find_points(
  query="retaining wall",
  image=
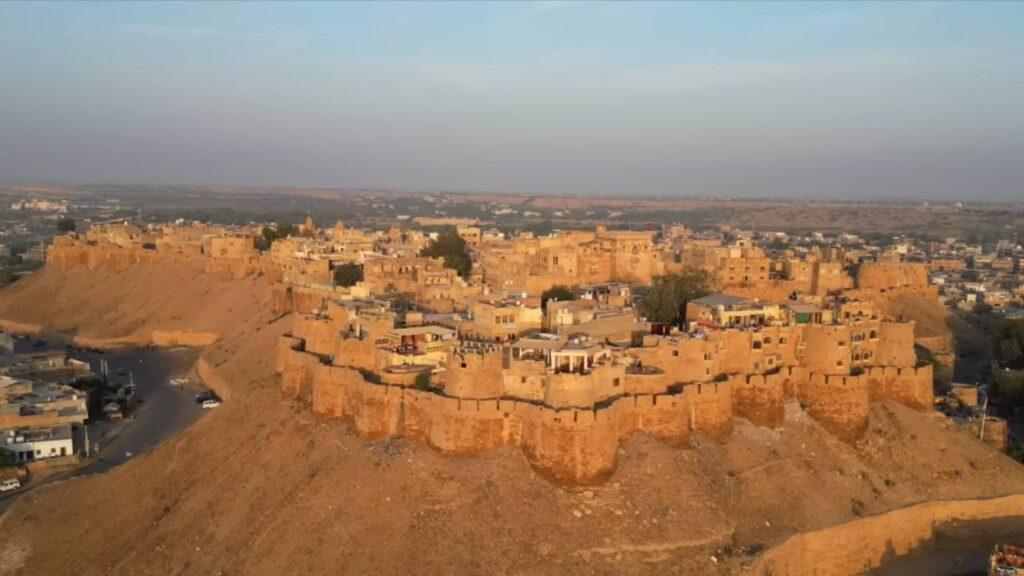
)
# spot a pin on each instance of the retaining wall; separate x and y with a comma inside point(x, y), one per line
point(861, 545)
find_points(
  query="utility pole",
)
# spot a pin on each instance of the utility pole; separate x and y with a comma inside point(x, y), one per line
point(984, 415)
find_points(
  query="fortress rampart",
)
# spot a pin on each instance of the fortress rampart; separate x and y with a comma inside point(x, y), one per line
point(572, 445)
point(66, 254)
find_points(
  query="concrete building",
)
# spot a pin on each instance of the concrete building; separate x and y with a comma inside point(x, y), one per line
point(38, 443)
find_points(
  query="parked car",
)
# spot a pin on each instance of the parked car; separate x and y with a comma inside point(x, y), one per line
point(205, 395)
point(211, 403)
point(10, 484)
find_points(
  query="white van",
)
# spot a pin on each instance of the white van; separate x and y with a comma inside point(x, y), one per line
point(11, 484)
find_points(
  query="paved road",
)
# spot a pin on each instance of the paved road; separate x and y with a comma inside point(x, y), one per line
point(165, 410)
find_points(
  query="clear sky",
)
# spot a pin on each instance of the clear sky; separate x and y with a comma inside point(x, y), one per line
point(858, 100)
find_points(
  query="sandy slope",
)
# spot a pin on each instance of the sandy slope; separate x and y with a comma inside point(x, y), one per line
point(261, 486)
point(101, 304)
point(937, 327)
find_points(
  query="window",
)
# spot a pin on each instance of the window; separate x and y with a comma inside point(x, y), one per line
point(462, 364)
point(756, 345)
point(675, 352)
point(615, 382)
point(767, 340)
point(522, 379)
point(782, 339)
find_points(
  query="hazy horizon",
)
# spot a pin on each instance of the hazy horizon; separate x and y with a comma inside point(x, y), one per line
point(789, 100)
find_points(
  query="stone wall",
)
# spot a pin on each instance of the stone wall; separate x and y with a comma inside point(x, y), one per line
point(862, 545)
point(65, 253)
point(839, 403)
point(572, 444)
point(759, 398)
point(887, 276)
point(909, 386)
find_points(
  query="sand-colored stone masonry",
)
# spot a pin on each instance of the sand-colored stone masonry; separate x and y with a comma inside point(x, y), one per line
point(861, 545)
point(572, 432)
point(570, 258)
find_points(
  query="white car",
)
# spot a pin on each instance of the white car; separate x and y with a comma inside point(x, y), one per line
point(11, 484)
point(211, 403)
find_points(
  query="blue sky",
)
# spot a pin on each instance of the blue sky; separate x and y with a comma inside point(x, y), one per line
point(848, 100)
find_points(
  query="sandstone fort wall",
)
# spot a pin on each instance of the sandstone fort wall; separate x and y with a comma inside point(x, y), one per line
point(576, 445)
point(862, 545)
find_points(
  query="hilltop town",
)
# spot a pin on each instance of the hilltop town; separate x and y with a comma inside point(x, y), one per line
point(544, 342)
point(720, 387)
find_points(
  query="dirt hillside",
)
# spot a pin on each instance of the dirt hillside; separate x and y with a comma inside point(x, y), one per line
point(103, 304)
point(262, 486)
point(937, 328)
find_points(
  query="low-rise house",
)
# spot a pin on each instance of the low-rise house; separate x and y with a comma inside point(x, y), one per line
point(38, 443)
point(26, 403)
point(729, 310)
point(503, 319)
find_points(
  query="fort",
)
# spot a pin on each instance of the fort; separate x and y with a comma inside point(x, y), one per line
point(480, 373)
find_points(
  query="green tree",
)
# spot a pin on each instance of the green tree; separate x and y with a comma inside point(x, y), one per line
point(450, 246)
point(666, 299)
point(1008, 343)
point(1008, 387)
point(422, 381)
point(6, 458)
point(65, 225)
point(1009, 353)
point(557, 293)
point(276, 232)
point(348, 274)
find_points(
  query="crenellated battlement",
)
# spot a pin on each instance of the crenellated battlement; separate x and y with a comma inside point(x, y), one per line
point(579, 444)
point(573, 445)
